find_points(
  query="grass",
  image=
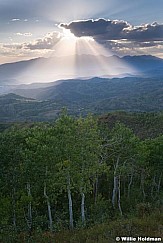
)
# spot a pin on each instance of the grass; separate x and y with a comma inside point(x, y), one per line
point(101, 233)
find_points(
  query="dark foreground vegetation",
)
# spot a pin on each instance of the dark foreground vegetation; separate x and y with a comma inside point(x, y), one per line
point(80, 180)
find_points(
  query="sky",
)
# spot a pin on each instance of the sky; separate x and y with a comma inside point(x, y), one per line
point(31, 29)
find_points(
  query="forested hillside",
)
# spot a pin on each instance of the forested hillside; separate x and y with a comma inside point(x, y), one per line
point(15, 108)
point(98, 179)
point(101, 95)
point(81, 97)
point(144, 125)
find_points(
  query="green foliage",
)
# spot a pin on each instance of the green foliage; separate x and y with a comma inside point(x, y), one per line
point(100, 233)
point(144, 125)
point(42, 163)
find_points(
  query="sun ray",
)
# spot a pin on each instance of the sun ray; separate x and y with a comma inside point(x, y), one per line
point(76, 57)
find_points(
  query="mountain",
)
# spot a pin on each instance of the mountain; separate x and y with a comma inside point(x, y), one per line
point(77, 90)
point(82, 66)
point(14, 108)
point(9, 71)
point(41, 101)
point(148, 65)
point(96, 95)
point(13, 97)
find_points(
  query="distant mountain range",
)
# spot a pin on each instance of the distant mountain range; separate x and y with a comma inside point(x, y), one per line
point(80, 67)
point(149, 66)
point(41, 101)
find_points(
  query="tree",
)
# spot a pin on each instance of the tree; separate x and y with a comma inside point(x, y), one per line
point(155, 166)
point(12, 145)
point(88, 149)
point(122, 153)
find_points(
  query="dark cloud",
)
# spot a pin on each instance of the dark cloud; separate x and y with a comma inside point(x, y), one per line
point(132, 44)
point(148, 44)
point(102, 29)
point(147, 32)
point(99, 29)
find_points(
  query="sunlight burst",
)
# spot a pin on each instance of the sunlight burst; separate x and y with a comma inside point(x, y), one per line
point(68, 34)
point(76, 57)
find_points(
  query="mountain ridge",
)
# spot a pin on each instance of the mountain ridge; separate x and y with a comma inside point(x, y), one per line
point(80, 97)
point(14, 73)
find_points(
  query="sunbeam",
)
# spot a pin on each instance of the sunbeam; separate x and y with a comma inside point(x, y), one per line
point(76, 57)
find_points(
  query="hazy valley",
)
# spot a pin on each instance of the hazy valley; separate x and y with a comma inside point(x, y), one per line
point(140, 93)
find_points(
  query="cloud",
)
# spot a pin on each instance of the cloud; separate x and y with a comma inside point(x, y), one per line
point(13, 46)
point(47, 42)
point(13, 20)
point(118, 36)
point(128, 47)
point(147, 32)
point(132, 44)
point(17, 52)
point(16, 20)
point(102, 29)
point(24, 34)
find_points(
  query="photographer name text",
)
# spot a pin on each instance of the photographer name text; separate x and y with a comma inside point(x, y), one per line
point(138, 239)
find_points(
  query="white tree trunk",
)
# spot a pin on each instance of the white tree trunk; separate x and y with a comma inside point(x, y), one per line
point(115, 187)
point(49, 209)
point(159, 183)
point(129, 185)
point(13, 205)
point(96, 189)
point(70, 203)
point(153, 186)
point(48, 204)
point(142, 185)
point(119, 196)
point(13, 198)
point(29, 221)
point(83, 208)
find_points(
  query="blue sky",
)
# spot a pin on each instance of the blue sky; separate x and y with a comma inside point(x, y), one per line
point(27, 26)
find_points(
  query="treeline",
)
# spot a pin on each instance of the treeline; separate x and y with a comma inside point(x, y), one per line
point(75, 173)
point(144, 125)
